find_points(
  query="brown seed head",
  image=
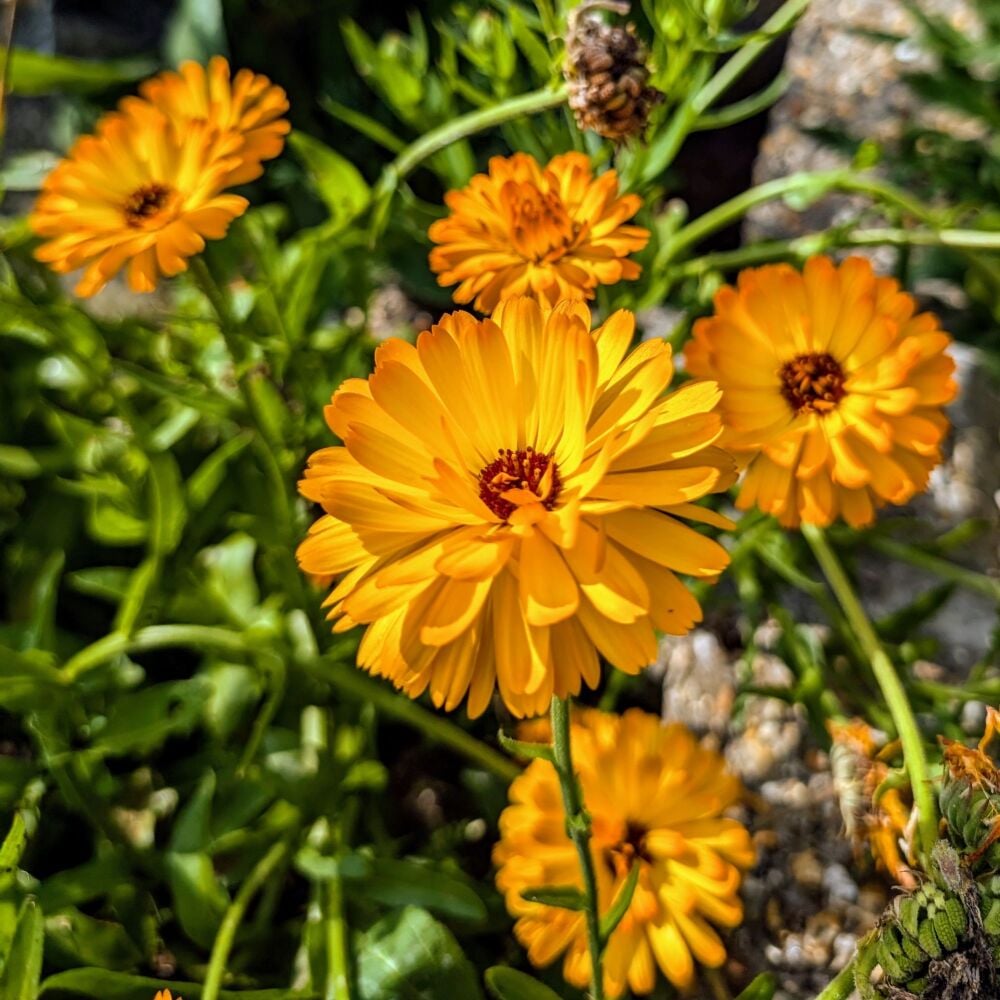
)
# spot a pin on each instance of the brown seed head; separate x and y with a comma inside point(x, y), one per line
point(608, 78)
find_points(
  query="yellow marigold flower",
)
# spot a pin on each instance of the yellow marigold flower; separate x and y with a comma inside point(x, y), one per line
point(249, 105)
point(832, 389)
point(141, 192)
point(655, 798)
point(509, 500)
point(165, 995)
point(554, 233)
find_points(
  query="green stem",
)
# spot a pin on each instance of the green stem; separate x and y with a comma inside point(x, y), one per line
point(578, 830)
point(219, 302)
point(223, 944)
point(356, 684)
point(944, 568)
point(739, 111)
point(814, 243)
point(263, 444)
point(732, 69)
point(841, 986)
point(813, 184)
point(153, 637)
point(337, 984)
point(890, 684)
point(704, 91)
point(468, 124)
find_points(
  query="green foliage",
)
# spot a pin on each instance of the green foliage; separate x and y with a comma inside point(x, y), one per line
point(173, 706)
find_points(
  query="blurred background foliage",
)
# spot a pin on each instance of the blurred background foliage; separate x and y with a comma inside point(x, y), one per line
point(194, 779)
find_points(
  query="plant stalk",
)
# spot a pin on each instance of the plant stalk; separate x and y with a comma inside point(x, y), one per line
point(841, 986)
point(337, 984)
point(354, 683)
point(578, 830)
point(890, 684)
point(223, 944)
point(465, 125)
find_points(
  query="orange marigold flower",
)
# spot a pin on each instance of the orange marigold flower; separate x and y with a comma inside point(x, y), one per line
point(876, 817)
point(832, 389)
point(509, 500)
point(141, 192)
point(165, 995)
point(655, 798)
point(552, 233)
point(248, 104)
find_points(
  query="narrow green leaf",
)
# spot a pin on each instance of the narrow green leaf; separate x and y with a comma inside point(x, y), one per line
point(102, 984)
point(536, 751)
point(564, 896)
point(196, 31)
point(763, 987)
point(335, 179)
point(620, 906)
point(509, 984)
point(23, 968)
point(210, 475)
point(37, 73)
point(410, 883)
point(19, 462)
point(166, 500)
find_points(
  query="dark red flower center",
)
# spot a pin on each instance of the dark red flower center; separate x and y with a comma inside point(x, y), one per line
point(632, 847)
point(517, 478)
point(812, 383)
point(145, 202)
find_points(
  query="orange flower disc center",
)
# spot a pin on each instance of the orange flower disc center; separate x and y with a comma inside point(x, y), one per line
point(517, 478)
point(540, 227)
point(812, 383)
point(146, 203)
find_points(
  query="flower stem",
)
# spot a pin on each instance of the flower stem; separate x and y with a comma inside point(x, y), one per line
point(337, 985)
point(261, 872)
point(354, 683)
point(841, 986)
point(219, 302)
point(465, 125)
point(890, 684)
point(812, 185)
point(578, 830)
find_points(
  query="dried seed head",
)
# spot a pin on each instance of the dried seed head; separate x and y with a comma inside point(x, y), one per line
point(608, 78)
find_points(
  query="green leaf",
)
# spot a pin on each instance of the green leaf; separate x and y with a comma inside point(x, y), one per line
point(320, 867)
point(14, 461)
point(192, 828)
point(37, 73)
point(336, 180)
point(763, 987)
point(230, 581)
point(141, 721)
point(166, 501)
point(410, 883)
point(410, 956)
point(196, 31)
point(73, 938)
point(26, 171)
point(209, 476)
point(200, 901)
point(621, 903)
point(23, 967)
point(82, 884)
point(509, 984)
point(564, 896)
point(101, 984)
point(108, 583)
